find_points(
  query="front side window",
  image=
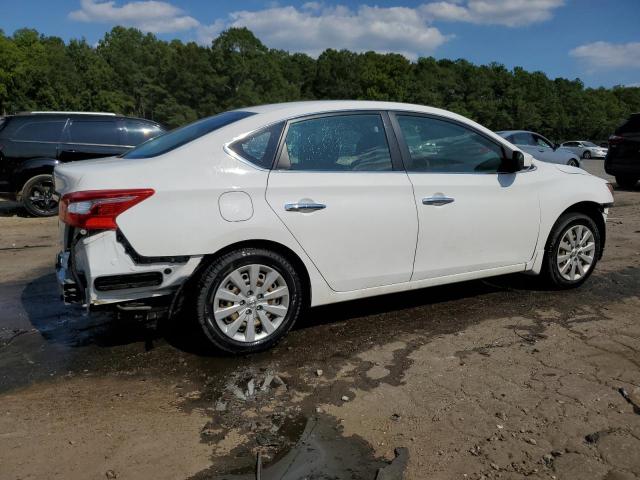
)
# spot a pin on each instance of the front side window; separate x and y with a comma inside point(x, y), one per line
point(183, 135)
point(337, 143)
point(541, 142)
point(136, 132)
point(439, 146)
point(260, 147)
point(99, 132)
point(522, 138)
point(40, 131)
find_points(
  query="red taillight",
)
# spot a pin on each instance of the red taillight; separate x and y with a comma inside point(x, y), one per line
point(615, 139)
point(98, 209)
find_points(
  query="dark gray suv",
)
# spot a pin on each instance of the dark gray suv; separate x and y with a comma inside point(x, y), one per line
point(32, 144)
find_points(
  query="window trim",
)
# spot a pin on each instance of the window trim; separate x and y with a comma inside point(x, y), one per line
point(404, 148)
point(392, 142)
point(229, 151)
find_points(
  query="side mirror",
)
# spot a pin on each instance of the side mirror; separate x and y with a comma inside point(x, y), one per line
point(556, 146)
point(513, 164)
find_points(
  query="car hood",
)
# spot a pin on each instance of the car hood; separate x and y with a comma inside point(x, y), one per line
point(569, 169)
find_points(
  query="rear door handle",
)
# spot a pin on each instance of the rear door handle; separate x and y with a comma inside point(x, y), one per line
point(303, 207)
point(437, 201)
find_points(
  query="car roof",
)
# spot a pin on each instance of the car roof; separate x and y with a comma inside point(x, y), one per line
point(108, 115)
point(291, 109)
point(510, 132)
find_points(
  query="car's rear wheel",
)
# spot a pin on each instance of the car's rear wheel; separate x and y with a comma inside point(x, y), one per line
point(572, 250)
point(626, 181)
point(573, 163)
point(39, 197)
point(586, 155)
point(248, 299)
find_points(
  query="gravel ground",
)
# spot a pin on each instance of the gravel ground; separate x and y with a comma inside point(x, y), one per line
point(488, 379)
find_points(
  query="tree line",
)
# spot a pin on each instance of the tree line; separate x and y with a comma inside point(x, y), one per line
point(133, 73)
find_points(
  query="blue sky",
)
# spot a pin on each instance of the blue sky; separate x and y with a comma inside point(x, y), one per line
point(595, 40)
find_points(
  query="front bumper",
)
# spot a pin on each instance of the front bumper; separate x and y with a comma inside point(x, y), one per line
point(97, 270)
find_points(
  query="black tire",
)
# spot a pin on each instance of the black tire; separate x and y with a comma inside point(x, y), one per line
point(38, 196)
point(626, 181)
point(573, 163)
point(550, 269)
point(586, 155)
point(211, 279)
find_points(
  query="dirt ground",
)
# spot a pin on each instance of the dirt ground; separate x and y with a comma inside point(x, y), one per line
point(488, 379)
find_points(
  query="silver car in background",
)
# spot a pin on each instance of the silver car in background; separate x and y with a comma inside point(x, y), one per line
point(540, 147)
point(585, 149)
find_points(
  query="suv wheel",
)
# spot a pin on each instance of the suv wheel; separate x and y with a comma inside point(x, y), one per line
point(572, 250)
point(248, 299)
point(626, 181)
point(39, 197)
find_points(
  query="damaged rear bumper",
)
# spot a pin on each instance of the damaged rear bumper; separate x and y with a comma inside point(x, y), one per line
point(98, 270)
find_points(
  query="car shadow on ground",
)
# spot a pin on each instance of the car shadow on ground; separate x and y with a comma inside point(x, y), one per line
point(73, 327)
point(12, 209)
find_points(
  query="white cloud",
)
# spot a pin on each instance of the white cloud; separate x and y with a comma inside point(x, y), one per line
point(510, 13)
point(313, 28)
point(147, 15)
point(605, 55)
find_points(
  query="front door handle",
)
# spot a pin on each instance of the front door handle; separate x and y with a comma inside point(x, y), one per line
point(437, 201)
point(303, 207)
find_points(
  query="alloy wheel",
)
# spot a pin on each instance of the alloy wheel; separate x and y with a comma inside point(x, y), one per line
point(576, 252)
point(42, 197)
point(251, 303)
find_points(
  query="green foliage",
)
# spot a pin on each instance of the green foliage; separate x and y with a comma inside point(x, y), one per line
point(133, 73)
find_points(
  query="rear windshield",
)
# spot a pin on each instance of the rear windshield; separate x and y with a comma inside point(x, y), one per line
point(180, 136)
point(630, 126)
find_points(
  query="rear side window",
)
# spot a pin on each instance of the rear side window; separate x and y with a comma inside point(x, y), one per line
point(438, 146)
point(337, 143)
point(260, 147)
point(630, 126)
point(136, 132)
point(40, 131)
point(181, 136)
point(100, 132)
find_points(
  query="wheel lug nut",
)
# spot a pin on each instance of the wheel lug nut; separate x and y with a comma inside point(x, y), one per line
point(241, 302)
point(259, 307)
point(248, 311)
point(249, 292)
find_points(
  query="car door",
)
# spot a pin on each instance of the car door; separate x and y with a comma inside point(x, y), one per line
point(546, 152)
point(340, 189)
point(91, 138)
point(471, 217)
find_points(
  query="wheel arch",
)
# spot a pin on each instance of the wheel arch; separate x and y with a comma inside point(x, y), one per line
point(283, 250)
point(31, 168)
point(594, 211)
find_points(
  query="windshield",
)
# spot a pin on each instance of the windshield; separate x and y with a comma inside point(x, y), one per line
point(589, 144)
point(180, 136)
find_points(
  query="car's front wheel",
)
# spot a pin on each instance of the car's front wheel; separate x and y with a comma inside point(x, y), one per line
point(572, 250)
point(39, 197)
point(248, 299)
point(626, 181)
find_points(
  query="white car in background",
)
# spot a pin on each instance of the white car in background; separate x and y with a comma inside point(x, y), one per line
point(252, 215)
point(585, 149)
point(540, 147)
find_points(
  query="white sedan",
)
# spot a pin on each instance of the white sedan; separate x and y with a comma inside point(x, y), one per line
point(585, 149)
point(250, 216)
